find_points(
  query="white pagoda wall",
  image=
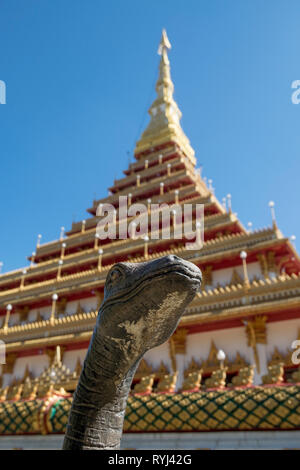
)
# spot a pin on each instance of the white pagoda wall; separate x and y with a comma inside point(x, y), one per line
point(223, 276)
point(231, 340)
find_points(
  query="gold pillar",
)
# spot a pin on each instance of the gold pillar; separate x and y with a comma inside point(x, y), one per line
point(146, 240)
point(256, 332)
point(96, 243)
point(53, 309)
point(60, 263)
point(243, 256)
point(24, 272)
point(63, 249)
point(100, 253)
point(176, 192)
point(9, 308)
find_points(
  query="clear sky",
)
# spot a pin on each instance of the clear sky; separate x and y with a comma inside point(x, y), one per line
point(80, 76)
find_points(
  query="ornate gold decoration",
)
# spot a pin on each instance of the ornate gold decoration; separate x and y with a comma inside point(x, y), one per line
point(275, 374)
point(164, 126)
point(161, 371)
point(167, 383)
point(267, 263)
point(179, 340)
point(259, 326)
point(39, 317)
point(57, 375)
point(14, 392)
point(177, 345)
point(249, 408)
point(30, 389)
point(212, 363)
point(48, 390)
point(217, 379)
point(263, 264)
point(23, 313)
point(143, 370)
point(79, 309)
point(244, 377)
point(53, 353)
point(192, 381)
point(256, 332)
point(295, 378)
point(3, 393)
point(193, 366)
point(145, 385)
point(26, 374)
point(61, 306)
point(172, 354)
point(237, 364)
point(207, 276)
point(272, 262)
point(236, 278)
point(277, 357)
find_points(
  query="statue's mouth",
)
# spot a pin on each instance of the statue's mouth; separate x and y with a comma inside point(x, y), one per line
point(181, 270)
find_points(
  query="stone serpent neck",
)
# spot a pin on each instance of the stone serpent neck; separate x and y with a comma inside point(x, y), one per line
point(99, 403)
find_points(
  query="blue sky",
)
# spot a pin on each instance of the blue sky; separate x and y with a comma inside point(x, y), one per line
point(80, 76)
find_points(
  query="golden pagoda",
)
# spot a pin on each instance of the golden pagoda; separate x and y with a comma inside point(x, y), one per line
point(229, 366)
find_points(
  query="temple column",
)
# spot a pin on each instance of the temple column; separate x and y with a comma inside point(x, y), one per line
point(257, 340)
point(177, 354)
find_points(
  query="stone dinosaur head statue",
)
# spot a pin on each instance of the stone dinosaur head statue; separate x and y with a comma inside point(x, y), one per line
point(143, 302)
point(142, 305)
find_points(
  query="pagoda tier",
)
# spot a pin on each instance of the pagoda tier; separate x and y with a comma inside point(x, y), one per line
point(218, 253)
point(249, 306)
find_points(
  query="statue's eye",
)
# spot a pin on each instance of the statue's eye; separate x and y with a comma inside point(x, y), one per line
point(114, 276)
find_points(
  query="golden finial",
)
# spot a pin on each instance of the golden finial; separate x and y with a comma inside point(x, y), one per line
point(164, 42)
point(164, 126)
point(57, 357)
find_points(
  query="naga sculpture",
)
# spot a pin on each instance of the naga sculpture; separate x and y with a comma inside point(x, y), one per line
point(275, 374)
point(142, 305)
point(217, 379)
point(192, 383)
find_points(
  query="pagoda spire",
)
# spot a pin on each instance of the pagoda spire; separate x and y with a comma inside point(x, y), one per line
point(164, 126)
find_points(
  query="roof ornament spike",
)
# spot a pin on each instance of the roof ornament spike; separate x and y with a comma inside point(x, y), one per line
point(164, 43)
point(164, 127)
